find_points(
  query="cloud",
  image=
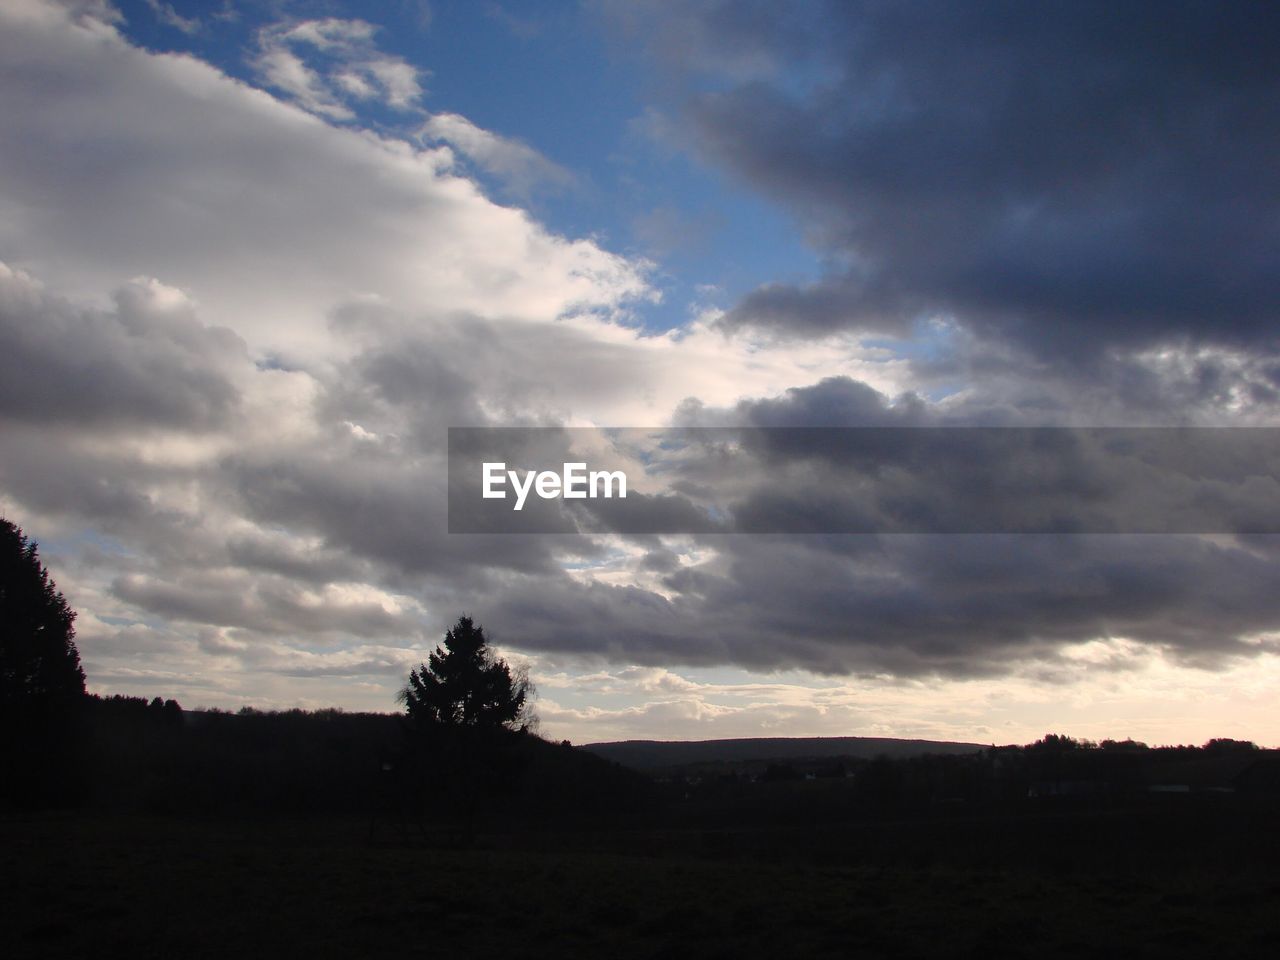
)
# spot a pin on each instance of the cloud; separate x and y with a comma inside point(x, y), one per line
point(349, 66)
point(266, 216)
point(518, 166)
point(1068, 177)
point(166, 14)
point(285, 71)
point(238, 460)
point(911, 606)
point(147, 362)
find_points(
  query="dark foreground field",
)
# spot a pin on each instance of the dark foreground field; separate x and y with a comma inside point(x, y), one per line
point(1051, 883)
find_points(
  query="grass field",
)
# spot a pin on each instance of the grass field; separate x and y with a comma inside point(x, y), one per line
point(82, 886)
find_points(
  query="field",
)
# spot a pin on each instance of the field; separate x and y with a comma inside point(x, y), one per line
point(1172, 880)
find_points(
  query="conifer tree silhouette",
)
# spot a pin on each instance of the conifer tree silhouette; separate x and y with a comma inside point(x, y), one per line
point(39, 662)
point(464, 685)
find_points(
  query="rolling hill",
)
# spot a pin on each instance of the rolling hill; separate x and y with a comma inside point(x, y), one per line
point(651, 755)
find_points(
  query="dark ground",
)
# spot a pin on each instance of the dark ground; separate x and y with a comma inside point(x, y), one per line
point(1182, 877)
point(131, 829)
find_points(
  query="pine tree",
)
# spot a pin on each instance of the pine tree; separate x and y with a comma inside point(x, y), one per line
point(463, 686)
point(39, 662)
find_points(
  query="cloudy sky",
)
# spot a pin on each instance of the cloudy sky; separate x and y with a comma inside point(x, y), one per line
point(256, 258)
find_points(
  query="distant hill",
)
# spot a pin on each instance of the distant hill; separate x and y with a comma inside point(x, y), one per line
point(652, 755)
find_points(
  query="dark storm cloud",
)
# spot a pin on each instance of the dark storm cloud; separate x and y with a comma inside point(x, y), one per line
point(375, 486)
point(911, 606)
point(835, 402)
point(267, 605)
point(47, 474)
point(384, 509)
point(941, 473)
point(146, 363)
point(1067, 175)
point(903, 604)
point(1183, 386)
point(623, 623)
point(283, 555)
point(964, 604)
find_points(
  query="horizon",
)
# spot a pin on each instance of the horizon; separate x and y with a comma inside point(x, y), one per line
point(832, 736)
point(261, 263)
point(1088, 744)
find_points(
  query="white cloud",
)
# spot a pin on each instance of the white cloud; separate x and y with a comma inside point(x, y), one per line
point(328, 34)
point(517, 165)
point(355, 84)
point(166, 14)
point(348, 63)
point(138, 164)
point(398, 80)
point(284, 70)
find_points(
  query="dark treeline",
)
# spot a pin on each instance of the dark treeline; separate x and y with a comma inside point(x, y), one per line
point(1053, 778)
point(129, 754)
point(1055, 767)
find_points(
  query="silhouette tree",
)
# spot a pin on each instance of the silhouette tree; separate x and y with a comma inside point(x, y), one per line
point(464, 706)
point(39, 662)
point(41, 684)
point(464, 686)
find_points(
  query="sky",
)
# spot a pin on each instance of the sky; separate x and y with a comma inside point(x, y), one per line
point(256, 258)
